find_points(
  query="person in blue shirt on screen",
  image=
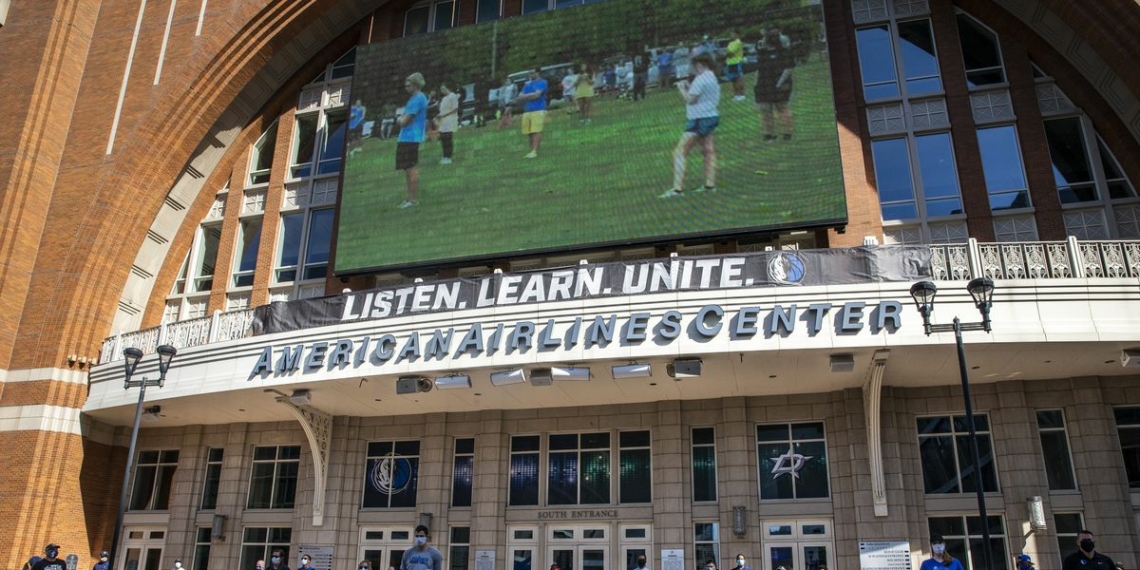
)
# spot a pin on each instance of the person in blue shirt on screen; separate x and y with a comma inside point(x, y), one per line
point(412, 122)
point(534, 97)
point(939, 558)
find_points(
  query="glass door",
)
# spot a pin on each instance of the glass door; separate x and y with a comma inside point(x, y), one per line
point(142, 549)
point(383, 548)
point(797, 544)
point(579, 557)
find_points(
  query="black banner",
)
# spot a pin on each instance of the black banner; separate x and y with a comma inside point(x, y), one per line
point(765, 269)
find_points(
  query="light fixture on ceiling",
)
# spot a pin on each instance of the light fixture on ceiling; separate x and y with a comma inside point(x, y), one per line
point(632, 370)
point(301, 398)
point(508, 377)
point(842, 363)
point(453, 382)
point(577, 373)
point(684, 368)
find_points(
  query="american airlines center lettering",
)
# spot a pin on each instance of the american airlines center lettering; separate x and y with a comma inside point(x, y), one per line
point(479, 340)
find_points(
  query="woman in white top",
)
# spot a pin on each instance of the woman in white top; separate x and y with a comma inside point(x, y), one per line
point(701, 97)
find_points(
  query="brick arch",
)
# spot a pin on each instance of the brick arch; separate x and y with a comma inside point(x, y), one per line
point(94, 230)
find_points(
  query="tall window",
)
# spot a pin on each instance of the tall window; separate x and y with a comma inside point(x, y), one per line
point(202, 541)
point(206, 256)
point(704, 464)
point(257, 543)
point(635, 467)
point(706, 543)
point(920, 62)
point(304, 137)
point(463, 472)
point(917, 62)
point(318, 243)
point(459, 549)
point(1055, 450)
point(273, 481)
point(1128, 430)
point(331, 150)
point(1067, 526)
point(960, 531)
point(579, 469)
point(1090, 183)
point(1002, 167)
point(792, 461)
point(947, 463)
point(213, 479)
point(980, 52)
point(249, 239)
point(154, 478)
point(488, 10)
point(430, 17)
point(261, 156)
point(524, 470)
point(391, 474)
point(937, 176)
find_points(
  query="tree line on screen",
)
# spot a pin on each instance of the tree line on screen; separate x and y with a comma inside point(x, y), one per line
point(484, 55)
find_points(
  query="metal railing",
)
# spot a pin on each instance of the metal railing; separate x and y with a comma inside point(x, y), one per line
point(949, 262)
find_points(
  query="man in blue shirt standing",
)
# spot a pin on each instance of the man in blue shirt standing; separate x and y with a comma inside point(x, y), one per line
point(939, 558)
point(412, 123)
point(103, 563)
point(534, 96)
point(421, 556)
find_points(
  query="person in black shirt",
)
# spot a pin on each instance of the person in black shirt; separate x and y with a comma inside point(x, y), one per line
point(51, 560)
point(1087, 558)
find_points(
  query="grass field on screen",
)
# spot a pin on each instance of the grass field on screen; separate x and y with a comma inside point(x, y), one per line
point(593, 183)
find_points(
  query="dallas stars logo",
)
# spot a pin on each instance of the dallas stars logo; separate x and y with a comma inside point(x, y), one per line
point(789, 463)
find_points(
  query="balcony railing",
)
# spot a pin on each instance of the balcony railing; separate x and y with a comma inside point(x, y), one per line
point(949, 262)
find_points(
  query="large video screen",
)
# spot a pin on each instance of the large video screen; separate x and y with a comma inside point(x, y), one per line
point(616, 122)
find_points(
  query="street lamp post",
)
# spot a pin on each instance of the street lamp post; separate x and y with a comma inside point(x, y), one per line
point(982, 290)
point(132, 356)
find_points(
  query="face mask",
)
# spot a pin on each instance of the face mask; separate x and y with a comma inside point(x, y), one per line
point(1088, 544)
point(275, 560)
point(304, 562)
point(421, 540)
point(641, 564)
point(938, 549)
point(177, 564)
point(52, 553)
point(740, 562)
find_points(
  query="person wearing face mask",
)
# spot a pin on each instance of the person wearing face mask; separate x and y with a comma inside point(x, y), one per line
point(364, 565)
point(277, 561)
point(51, 559)
point(1086, 557)
point(259, 565)
point(177, 565)
point(104, 563)
point(421, 556)
point(741, 562)
point(639, 564)
point(306, 563)
point(939, 558)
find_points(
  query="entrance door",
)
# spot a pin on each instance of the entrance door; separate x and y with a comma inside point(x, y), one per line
point(797, 544)
point(580, 556)
point(797, 556)
point(384, 548)
point(142, 549)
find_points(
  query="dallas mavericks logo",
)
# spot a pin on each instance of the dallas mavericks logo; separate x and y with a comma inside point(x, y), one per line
point(391, 475)
point(786, 268)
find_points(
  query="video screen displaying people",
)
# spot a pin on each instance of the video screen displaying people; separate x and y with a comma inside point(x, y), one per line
point(617, 122)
